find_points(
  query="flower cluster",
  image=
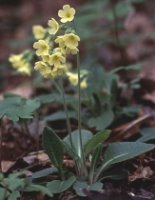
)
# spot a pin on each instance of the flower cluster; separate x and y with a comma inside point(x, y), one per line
point(55, 43)
point(21, 63)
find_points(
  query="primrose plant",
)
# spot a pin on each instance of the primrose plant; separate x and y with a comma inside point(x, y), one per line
point(54, 46)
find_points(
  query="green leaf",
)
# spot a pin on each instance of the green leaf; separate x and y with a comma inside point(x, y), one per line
point(100, 137)
point(14, 195)
point(147, 134)
point(121, 151)
point(58, 186)
point(16, 107)
point(60, 115)
point(97, 73)
point(3, 193)
point(103, 121)
point(14, 182)
point(1, 176)
point(55, 97)
point(95, 158)
point(79, 186)
point(38, 188)
point(115, 174)
point(49, 98)
point(130, 110)
point(44, 172)
point(29, 107)
point(135, 67)
point(53, 147)
point(86, 136)
point(72, 153)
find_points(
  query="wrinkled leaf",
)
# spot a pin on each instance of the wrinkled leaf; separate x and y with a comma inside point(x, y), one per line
point(81, 186)
point(86, 136)
point(43, 172)
point(53, 147)
point(95, 158)
point(121, 151)
point(103, 121)
point(99, 137)
point(60, 115)
point(58, 186)
point(55, 97)
point(38, 188)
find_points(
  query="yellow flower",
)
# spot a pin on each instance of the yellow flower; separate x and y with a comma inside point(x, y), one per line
point(72, 51)
point(59, 40)
point(67, 14)
point(58, 49)
point(68, 43)
point(54, 26)
point(38, 31)
point(58, 71)
point(15, 58)
point(71, 40)
point(73, 78)
point(57, 59)
point(83, 84)
point(47, 73)
point(20, 64)
point(25, 68)
point(42, 47)
point(45, 58)
point(43, 69)
point(40, 66)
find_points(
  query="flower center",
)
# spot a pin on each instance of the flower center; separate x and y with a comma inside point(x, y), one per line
point(44, 47)
point(56, 58)
point(68, 15)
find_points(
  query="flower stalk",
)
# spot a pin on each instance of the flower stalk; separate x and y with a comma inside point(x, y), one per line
point(66, 111)
point(84, 169)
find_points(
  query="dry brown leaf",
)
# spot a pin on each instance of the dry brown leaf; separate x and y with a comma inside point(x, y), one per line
point(39, 156)
point(141, 173)
point(150, 97)
point(6, 165)
point(128, 130)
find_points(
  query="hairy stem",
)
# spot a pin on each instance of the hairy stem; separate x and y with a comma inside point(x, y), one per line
point(66, 111)
point(60, 89)
point(84, 171)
